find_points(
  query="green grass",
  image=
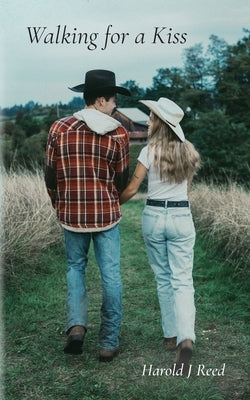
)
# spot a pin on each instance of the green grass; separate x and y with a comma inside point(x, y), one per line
point(37, 368)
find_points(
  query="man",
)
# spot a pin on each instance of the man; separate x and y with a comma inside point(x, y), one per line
point(87, 161)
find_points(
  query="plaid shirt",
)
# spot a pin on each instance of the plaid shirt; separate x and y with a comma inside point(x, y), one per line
point(84, 174)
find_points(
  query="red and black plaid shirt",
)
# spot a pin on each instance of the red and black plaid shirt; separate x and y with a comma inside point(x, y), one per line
point(85, 172)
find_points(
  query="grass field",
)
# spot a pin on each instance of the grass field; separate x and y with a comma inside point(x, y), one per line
point(36, 367)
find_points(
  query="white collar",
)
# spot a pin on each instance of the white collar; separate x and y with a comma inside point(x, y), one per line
point(97, 121)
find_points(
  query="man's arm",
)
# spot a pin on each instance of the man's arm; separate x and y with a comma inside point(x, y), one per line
point(137, 179)
point(121, 180)
point(122, 161)
point(51, 183)
point(50, 168)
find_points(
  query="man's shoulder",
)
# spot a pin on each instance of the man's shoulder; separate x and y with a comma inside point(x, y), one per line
point(120, 134)
point(63, 124)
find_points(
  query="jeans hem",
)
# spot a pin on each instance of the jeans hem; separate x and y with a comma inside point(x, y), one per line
point(67, 329)
point(186, 338)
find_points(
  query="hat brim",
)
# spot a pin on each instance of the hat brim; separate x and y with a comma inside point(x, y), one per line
point(116, 89)
point(152, 105)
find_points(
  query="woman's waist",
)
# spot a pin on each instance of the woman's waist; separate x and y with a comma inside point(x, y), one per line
point(183, 202)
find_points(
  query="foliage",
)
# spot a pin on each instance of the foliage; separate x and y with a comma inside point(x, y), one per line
point(23, 137)
point(32, 151)
point(169, 82)
point(223, 147)
point(137, 93)
point(212, 88)
point(233, 87)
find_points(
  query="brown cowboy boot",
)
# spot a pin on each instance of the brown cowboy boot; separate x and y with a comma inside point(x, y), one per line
point(108, 355)
point(184, 354)
point(170, 343)
point(75, 340)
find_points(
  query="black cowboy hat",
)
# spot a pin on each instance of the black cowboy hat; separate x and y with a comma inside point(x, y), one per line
point(99, 81)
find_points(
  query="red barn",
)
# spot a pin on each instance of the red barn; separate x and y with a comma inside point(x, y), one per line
point(134, 120)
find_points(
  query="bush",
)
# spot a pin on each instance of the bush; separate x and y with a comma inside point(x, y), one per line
point(32, 152)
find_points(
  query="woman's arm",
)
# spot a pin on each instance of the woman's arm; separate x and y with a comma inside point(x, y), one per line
point(133, 186)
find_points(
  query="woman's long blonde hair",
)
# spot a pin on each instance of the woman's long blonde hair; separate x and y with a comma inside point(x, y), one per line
point(173, 159)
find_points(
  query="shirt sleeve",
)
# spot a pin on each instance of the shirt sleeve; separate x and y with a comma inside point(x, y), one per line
point(50, 167)
point(51, 148)
point(143, 157)
point(122, 162)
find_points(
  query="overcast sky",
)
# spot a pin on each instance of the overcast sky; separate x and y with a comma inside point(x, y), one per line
point(131, 37)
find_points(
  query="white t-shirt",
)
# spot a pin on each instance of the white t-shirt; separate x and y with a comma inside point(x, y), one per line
point(157, 189)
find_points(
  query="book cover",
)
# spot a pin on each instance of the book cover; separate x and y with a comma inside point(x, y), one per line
point(47, 47)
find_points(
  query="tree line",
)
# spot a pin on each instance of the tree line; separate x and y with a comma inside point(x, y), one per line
point(212, 88)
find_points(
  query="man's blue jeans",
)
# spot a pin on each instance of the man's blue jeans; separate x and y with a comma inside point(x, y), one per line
point(107, 253)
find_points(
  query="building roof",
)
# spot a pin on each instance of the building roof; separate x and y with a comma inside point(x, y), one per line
point(134, 114)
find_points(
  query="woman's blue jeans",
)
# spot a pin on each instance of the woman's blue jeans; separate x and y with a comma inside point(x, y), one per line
point(169, 236)
point(107, 253)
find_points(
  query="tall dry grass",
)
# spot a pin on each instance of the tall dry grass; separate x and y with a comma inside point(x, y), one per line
point(30, 226)
point(222, 216)
point(28, 220)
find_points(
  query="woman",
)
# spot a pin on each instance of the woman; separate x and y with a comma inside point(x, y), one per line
point(170, 162)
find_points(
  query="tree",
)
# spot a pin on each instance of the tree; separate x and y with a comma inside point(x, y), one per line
point(197, 95)
point(169, 82)
point(216, 59)
point(8, 128)
point(223, 147)
point(195, 67)
point(51, 117)
point(137, 93)
point(233, 87)
point(77, 103)
point(29, 124)
point(32, 152)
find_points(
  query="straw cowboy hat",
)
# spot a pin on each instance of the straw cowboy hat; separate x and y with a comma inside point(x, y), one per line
point(99, 81)
point(169, 112)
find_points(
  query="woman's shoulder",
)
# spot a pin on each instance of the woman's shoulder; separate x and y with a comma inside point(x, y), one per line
point(146, 156)
point(144, 151)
